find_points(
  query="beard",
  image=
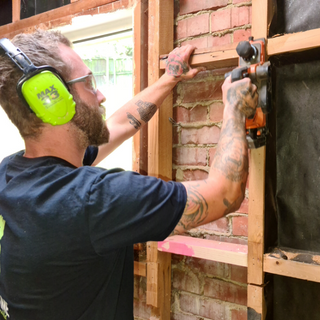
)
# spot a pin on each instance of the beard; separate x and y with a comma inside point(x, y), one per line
point(88, 120)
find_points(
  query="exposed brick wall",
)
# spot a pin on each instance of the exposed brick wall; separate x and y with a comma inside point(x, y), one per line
point(204, 289)
point(212, 23)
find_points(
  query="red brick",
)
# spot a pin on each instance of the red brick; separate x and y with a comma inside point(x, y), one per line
point(190, 6)
point(141, 310)
point(176, 258)
point(192, 175)
point(240, 16)
point(240, 226)
point(199, 43)
point(238, 314)
point(140, 288)
point(225, 291)
point(205, 135)
point(193, 26)
point(186, 281)
point(189, 303)
point(201, 91)
point(221, 225)
point(244, 208)
point(221, 20)
point(238, 274)
point(190, 156)
point(198, 113)
point(241, 35)
point(212, 309)
point(212, 268)
point(217, 41)
point(209, 42)
point(216, 111)
point(182, 316)
point(212, 152)
point(175, 135)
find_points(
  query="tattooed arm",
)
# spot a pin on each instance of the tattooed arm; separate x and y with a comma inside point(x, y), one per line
point(126, 121)
point(223, 191)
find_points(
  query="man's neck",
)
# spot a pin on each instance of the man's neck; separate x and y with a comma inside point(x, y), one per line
point(58, 141)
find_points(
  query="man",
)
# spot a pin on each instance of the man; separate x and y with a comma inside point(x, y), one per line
point(66, 248)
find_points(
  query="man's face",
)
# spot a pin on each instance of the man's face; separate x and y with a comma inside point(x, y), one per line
point(89, 111)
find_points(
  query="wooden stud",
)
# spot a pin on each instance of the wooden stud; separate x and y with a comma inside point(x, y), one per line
point(56, 14)
point(294, 42)
point(230, 253)
point(260, 19)
point(257, 172)
point(158, 282)
point(219, 57)
point(140, 27)
point(298, 265)
point(140, 269)
point(160, 40)
point(16, 5)
point(256, 216)
point(256, 309)
point(160, 129)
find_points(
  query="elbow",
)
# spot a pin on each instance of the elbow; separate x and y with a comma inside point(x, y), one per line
point(234, 197)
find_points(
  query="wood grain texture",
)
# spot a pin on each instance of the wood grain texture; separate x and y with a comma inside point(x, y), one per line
point(16, 5)
point(308, 268)
point(294, 42)
point(256, 216)
point(230, 253)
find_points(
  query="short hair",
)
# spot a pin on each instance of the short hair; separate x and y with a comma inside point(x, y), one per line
point(42, 48)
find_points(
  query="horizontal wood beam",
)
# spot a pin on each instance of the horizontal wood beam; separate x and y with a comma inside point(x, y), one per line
point(221, 57)
point(294, 42)
point(140, 268)
point(230, 253)
point(55, 14)
point(226, 56)
point(304, 266)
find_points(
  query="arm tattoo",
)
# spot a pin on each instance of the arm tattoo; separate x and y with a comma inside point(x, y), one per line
point(196, 210)
point(235, 97)
point(133, 121)
point(175, 66)
point(146, 110)
point(231, 158)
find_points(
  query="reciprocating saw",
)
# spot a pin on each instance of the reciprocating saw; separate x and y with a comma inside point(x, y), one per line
point(252, 64)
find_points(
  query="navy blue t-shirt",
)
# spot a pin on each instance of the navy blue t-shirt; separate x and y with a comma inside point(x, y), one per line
point(66, 247)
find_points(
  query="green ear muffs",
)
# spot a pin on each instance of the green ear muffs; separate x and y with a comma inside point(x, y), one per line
point(42, 89)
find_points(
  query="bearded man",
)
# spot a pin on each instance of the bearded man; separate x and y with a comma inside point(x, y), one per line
point(67, 227)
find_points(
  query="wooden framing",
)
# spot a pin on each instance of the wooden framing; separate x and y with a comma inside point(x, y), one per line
point(224, 252)
point(140, 24)
point(159, 152)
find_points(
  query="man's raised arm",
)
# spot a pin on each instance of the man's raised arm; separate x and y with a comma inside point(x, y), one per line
point(223, 191)
point(126, 121)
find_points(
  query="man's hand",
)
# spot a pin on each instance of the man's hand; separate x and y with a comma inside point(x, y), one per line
point(241, 94)
point(177, 64)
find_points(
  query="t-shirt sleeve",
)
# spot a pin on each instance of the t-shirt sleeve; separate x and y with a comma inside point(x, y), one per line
point(90, 155)
point(126, 208)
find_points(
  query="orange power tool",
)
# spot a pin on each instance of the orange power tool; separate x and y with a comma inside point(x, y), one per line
point(252, 64)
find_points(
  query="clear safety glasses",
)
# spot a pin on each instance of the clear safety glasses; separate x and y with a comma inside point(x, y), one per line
point(89, 80)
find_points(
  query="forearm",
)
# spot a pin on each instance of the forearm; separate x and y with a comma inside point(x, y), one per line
point(224, 189)
point(131, 117)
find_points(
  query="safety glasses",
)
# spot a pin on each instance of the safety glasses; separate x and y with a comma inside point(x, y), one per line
point(89, 80)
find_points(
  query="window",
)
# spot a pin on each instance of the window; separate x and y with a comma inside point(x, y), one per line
point(110, 60)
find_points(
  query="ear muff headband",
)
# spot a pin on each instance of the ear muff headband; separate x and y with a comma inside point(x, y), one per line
point(42, 89)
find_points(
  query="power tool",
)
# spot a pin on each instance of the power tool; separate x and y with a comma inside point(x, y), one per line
point(252, 64)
